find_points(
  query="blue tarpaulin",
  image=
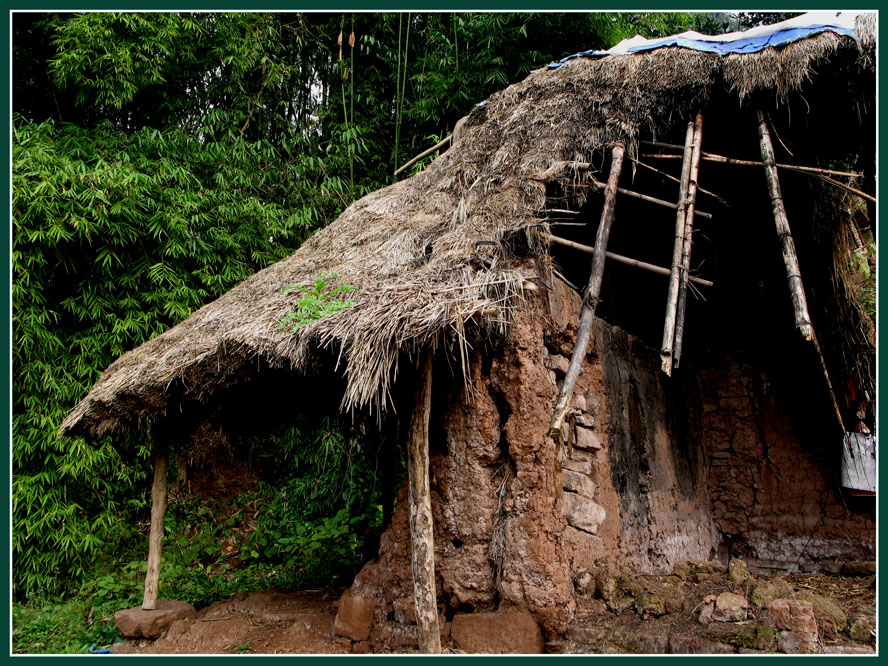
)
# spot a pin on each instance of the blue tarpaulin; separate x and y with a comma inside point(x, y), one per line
point(750, 41)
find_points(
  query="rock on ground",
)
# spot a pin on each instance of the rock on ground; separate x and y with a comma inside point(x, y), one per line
point(139, 623)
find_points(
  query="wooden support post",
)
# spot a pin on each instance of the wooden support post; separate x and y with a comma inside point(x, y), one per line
point(420, 509)
point(688, 242)
point(787, 246)
point(155, 536)
point(590, 296)
point(672, 294)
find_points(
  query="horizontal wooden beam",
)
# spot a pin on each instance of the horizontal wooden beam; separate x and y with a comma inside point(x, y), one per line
point(712, 157)
point(813, 171)
point(643, 265)
point(585, 166)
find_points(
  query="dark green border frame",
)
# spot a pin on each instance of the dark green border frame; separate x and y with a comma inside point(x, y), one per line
point(358, 5)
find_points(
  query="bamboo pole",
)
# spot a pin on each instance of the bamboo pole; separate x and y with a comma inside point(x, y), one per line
point(643, 265)
point(678, 245)
point(590, 297)
point(420, 509)
point(155, 536)
point(638, 195)
point(688, 242)
point(712, 157)
point(787, 246)
point(443, 142)
point(673, 178)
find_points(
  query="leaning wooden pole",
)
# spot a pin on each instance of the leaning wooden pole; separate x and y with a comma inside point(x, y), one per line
point(666, 348)
point(155, 536)
point(688, 242)
point(787, 246)
point(420, 508)
point(590, 296)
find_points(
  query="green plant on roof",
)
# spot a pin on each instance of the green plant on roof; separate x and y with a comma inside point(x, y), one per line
point(317, 301)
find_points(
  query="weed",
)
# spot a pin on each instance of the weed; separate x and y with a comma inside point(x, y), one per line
point(318, 301)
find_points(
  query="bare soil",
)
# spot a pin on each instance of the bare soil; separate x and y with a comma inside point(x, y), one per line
point(301, 623)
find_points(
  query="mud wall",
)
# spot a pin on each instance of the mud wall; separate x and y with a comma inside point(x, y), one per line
point(654, 470)
point(775, 498)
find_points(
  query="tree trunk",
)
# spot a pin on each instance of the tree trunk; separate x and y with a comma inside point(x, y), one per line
point(155, 538)
point(420, 508)
point(787, 246)
point(590, 297)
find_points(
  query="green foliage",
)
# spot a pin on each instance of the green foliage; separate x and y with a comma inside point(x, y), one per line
point(318, 301)
point(318, 510)
point(115, 238)
point(72, 625)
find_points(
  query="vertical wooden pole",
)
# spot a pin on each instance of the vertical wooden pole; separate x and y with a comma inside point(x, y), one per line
point(787, 246)
point(590, 295)
point(155, 537)
point(674, 279)
point(688, 241)
point(420, 508)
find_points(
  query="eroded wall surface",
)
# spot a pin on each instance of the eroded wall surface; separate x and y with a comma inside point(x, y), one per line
point(654, 470)
point(775, 499)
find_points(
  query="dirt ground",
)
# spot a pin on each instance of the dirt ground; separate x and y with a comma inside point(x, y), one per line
point(616, 614)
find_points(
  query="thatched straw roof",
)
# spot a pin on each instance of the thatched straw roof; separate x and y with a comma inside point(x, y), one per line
point(415, 251)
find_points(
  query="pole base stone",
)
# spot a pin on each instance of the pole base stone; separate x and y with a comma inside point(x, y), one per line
point(139, 623)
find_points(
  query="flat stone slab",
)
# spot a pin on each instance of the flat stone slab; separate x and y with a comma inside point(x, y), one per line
point(513, 632)
point(582, 513)
point(139, 623)
point(354, 619)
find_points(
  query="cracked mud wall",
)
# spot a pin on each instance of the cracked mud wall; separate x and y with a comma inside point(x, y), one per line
point(775, 497)
point(655, 470)
point(657, 465)
point(496, 499)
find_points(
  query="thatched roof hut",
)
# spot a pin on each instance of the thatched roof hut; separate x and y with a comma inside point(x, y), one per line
point(419, 253)
point(460, 259)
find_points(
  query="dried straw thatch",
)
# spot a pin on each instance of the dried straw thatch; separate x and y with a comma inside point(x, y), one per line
point(419, 252)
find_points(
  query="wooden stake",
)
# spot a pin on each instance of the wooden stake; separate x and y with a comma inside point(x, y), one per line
point(155, 536)
point(787, 246)
point(677, 180)
point(678, 245)
point(643, 265)
point(590, 297)
point(420, 508)
point(688, 241)
point(443, 142)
